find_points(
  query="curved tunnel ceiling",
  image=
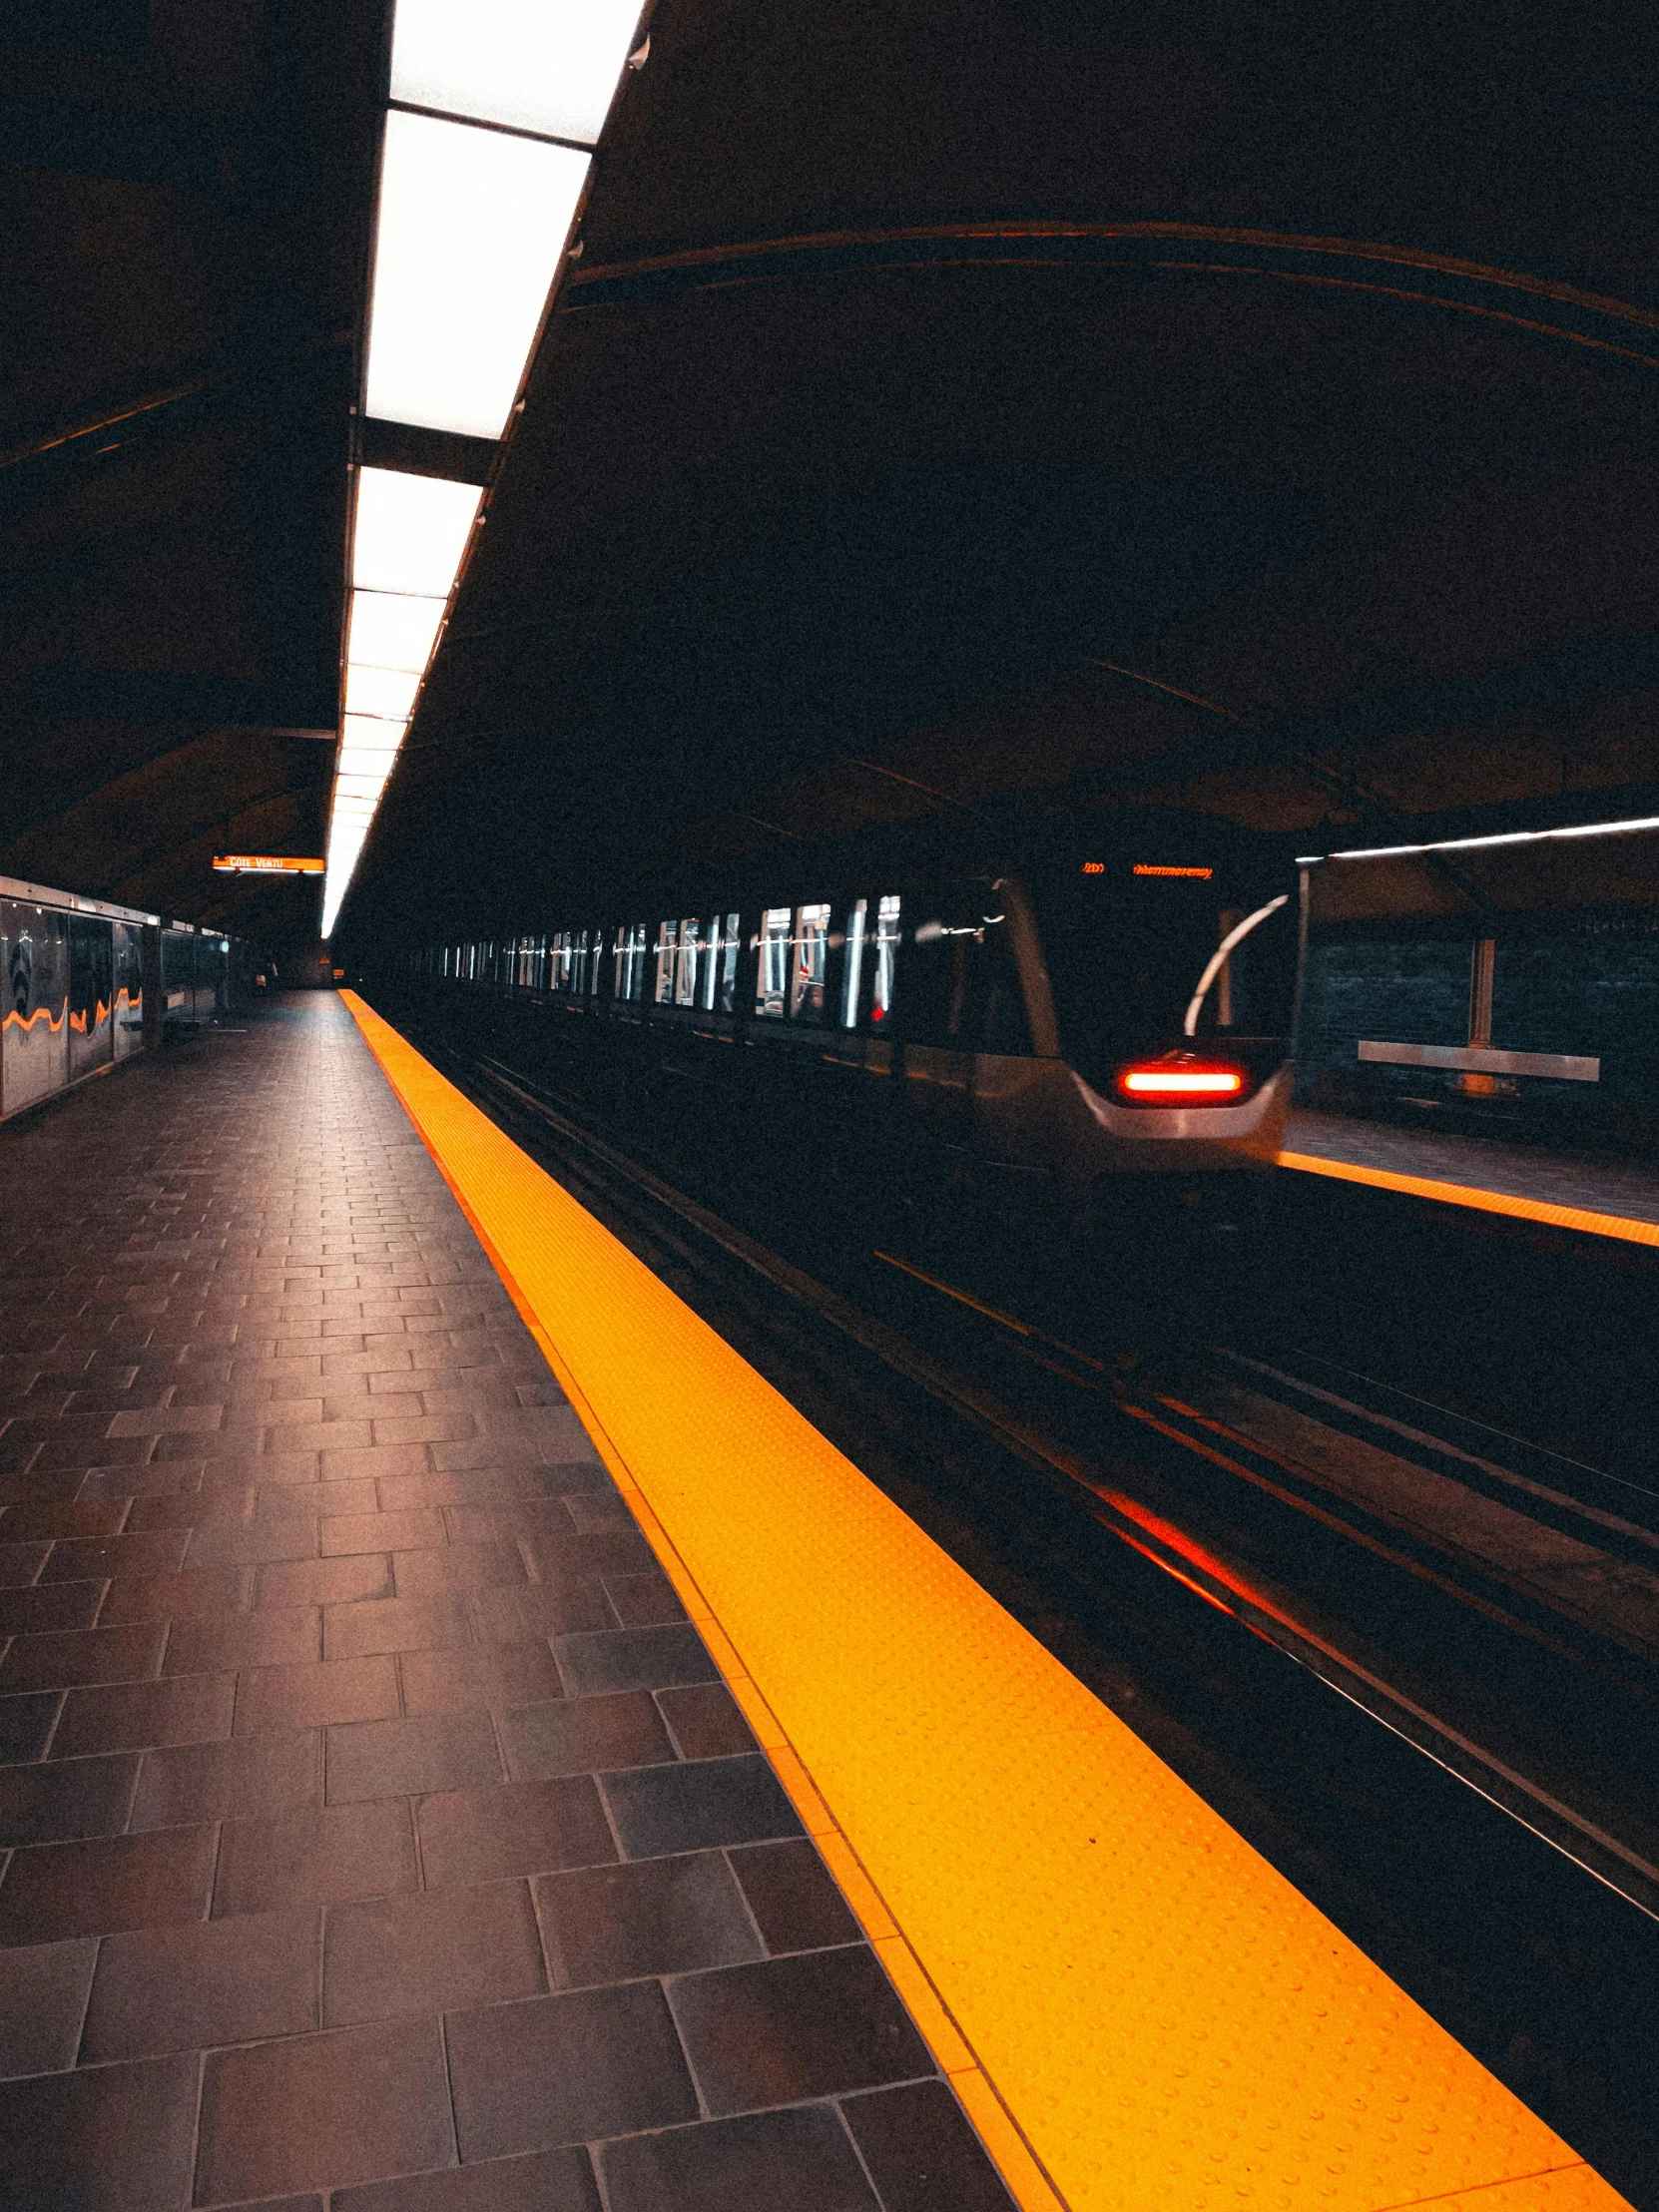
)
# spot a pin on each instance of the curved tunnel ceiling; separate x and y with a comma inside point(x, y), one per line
point(184, 192)
point(1247, 405)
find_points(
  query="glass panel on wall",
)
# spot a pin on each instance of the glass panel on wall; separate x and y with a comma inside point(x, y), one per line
point(886, 959)
point(771, 983)
point(129, 989)
point(36, 1022)
point(809, 974)
point(91, 993)
point(579, 965)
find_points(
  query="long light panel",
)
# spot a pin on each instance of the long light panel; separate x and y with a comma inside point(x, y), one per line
point(410, 534)
point(1476, 845)
point(472, 224)
point(542, 65)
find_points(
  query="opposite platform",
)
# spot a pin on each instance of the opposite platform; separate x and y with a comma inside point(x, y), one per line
point(375, 1829)
point(1597, 1195)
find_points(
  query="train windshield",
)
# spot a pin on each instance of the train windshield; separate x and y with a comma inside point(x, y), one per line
point(1145, 952)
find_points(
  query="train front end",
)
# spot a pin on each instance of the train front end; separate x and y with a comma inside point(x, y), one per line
point(1173, 956)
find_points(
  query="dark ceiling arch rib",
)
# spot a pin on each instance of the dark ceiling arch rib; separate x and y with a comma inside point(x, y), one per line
point(1579, 317)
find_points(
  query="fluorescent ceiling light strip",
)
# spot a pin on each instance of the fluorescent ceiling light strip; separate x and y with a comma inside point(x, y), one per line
point(392, 629)
point(372, 730)
point(411, 532)
point(541, 65)
point(467, 246)
point(1473, 845)
point(472, 224)
point(380, 694)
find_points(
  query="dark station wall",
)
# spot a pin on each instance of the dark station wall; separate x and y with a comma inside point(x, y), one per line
point(1587, 985)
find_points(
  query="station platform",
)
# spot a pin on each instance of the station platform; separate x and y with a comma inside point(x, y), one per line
point(1597, 1194)
point(468, 1742)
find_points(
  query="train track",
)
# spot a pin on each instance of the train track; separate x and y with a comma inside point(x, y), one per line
point(1438, 1683)
point(1575, 1811)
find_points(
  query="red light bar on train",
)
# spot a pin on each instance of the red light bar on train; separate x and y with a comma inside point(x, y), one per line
point(1180, 1084)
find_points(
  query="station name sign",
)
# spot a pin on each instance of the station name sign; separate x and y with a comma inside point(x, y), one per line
point(265, 864)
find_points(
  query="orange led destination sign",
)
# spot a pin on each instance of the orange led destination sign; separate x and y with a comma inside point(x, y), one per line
point(1149, 867)
point(265, 864)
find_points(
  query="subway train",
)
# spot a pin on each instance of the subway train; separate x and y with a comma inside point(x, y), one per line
point(1071, 1019)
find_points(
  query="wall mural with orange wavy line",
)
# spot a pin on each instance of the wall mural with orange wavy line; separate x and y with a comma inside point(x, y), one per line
point(15, 1020)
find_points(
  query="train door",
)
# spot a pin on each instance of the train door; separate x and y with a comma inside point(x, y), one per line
point(34, 1058)
point(1017, 1048)
point(91, 994)
point(936, 1011)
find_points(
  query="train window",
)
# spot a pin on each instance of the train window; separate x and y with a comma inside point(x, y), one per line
point(887, 959)
point(994, 1017)
point(771, 983)
point(809, 971)
point(692, 950)
point(963, 986)
point(629, 960)
point(853, 961)
point(668, 934)
point(720, 966)
point(1127, 951)
point(709, 980)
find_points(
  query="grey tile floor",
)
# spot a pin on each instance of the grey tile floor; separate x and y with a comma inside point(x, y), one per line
point(374, 1830)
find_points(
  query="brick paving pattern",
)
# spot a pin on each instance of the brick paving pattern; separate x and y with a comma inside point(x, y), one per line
point(374, 1830)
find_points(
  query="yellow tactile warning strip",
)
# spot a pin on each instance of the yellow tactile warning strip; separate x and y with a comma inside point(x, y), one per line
point(1136, 2009)
point(1484, 1202)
